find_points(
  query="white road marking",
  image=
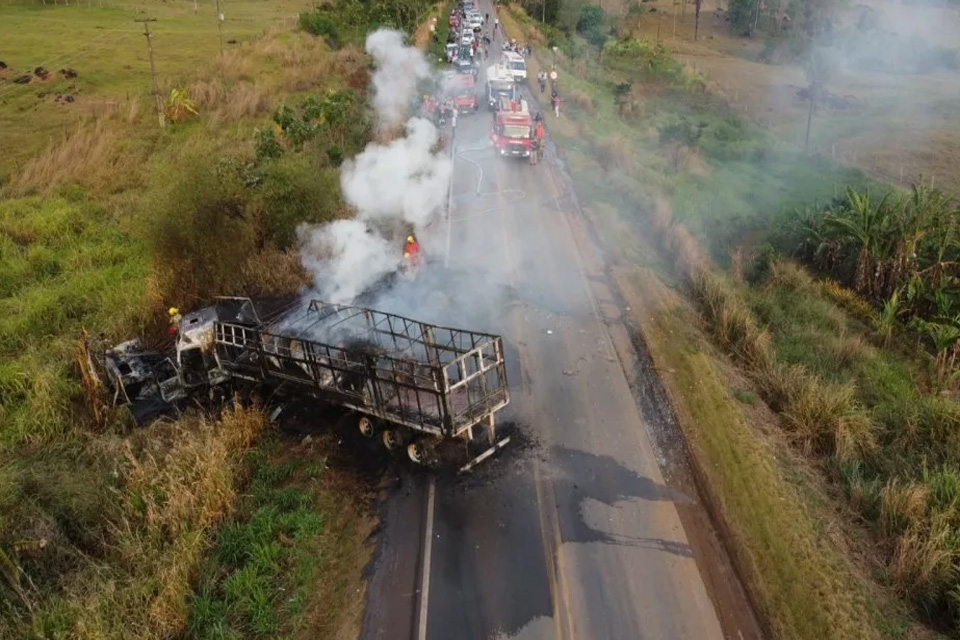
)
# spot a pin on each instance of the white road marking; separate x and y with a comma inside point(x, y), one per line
point(425, 570)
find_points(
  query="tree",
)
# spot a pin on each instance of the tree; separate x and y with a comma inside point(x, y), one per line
point(864, 226)
point(740, 14)
point(819, 70)
point(590, 24)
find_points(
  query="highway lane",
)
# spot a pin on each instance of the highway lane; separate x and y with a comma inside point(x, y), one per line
point(606, 556)
point(576, 535)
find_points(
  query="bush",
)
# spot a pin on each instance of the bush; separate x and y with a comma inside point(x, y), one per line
point(200, 229)
point(590, 24)
point(295, 191)
point(321, 23)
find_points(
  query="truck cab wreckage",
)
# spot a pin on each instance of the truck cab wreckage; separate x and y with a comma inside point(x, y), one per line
point(414, 385)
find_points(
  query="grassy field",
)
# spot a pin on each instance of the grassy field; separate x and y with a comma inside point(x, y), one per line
point(108, 51)
point(291, 560)
point(662, 163)
point(105, 221)
point(896, 126)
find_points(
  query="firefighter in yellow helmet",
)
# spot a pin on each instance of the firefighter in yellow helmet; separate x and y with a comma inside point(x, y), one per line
point(411, 251)
point(174, 314)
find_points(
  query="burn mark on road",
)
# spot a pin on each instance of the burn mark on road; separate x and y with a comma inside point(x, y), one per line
point(580, 478)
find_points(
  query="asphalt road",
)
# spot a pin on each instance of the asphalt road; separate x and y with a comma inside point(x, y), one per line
point(572, 534)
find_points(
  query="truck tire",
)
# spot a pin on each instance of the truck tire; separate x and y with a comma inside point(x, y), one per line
point(417, 452)
point(392, 439)
point(366, 427)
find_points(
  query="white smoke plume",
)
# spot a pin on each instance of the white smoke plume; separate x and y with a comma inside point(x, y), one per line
point(402, 181)
point(345, 257)
point(399, 69)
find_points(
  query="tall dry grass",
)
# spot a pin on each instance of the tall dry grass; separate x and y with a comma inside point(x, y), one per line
point(350, 63)
point(901, 504)
point(219, 103)
point(925, 564)
point(96, 156)
point(614, 154)
point(177, 481)
point(824, 418)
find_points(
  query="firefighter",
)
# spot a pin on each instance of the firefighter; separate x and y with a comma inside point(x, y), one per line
point(411, 251)
point(174, 318)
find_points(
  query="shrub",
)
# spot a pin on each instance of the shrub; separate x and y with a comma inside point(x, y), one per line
point(924, 566)
point(324, 24)
point(902, 504)
point(296, 191)
point(825, 418)
point(200, 229)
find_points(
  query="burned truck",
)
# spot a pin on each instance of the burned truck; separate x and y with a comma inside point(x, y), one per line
point(411, 384)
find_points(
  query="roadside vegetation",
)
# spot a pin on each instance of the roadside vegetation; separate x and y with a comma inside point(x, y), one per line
point(106, 219)
point(843, 481)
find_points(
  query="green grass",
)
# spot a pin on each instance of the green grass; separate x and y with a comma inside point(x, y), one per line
point(64, 266)
point(286, 565)
point(108, 50)
point(803, 585)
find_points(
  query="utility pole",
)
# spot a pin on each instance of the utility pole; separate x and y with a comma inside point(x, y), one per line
point(153, 69)
point(220, 27)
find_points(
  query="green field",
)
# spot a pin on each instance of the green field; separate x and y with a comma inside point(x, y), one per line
point(105, 221)
point(108, 51)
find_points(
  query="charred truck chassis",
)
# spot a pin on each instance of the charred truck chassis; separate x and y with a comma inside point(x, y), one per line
point(411, 383)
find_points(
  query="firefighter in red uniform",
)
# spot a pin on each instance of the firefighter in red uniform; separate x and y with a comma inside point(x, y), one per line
point(411, 251)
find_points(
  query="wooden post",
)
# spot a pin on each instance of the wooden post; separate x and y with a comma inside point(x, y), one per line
point(220, 27)
point(153, 69)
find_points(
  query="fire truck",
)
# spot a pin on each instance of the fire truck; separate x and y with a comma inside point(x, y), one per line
point(500, 84)
point(512, 129)
point(464, 93)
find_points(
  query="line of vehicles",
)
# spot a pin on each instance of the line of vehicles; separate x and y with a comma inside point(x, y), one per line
point(512, 131)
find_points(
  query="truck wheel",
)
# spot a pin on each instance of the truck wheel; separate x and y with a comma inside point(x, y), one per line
point(417, 452)
point(392, 439)
point(365, 425)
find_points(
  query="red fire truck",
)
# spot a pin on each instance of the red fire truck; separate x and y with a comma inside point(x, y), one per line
point(464, 93)
point(512, 129)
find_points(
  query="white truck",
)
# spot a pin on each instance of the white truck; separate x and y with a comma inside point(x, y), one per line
point(500, 84)
point(516, 64)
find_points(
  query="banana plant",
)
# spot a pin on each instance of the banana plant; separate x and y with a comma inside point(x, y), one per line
point(179, 107)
